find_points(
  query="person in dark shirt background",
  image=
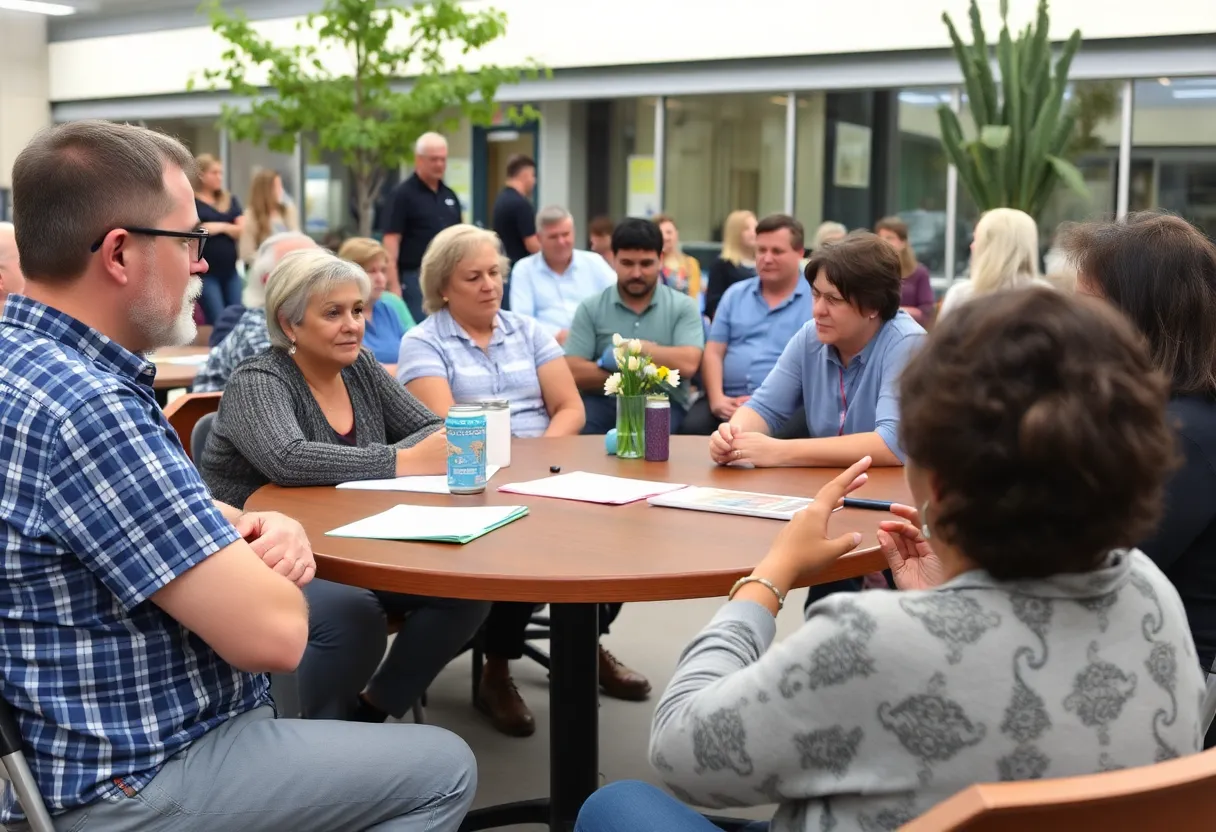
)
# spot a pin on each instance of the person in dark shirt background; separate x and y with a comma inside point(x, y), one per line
point(1161, 272)
point(514, 216)
point(422, 207)
point(737, 260)
point(221, 215)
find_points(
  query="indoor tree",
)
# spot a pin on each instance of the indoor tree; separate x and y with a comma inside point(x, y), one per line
point(369, 79)
point(1025, 123)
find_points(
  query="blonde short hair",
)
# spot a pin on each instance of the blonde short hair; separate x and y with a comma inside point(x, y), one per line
point(1006, 253)
point(444, 254)
point(298, 277)
point(361, 250)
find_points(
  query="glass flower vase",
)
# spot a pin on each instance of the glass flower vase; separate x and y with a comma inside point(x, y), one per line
point(630, 427)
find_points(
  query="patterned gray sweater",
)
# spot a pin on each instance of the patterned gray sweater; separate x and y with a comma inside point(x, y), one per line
point(886, 703)
point(270, 429)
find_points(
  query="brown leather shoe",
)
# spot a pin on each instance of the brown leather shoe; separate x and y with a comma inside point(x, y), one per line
point(619, 682)
point(499, 699)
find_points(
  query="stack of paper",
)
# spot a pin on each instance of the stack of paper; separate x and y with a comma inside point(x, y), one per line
point(722, 501)
point(418, 485)
point(591, 488)
point(187, 360)
point(436, 524)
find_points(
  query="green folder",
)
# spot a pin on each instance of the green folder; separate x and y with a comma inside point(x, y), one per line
point(433, 524)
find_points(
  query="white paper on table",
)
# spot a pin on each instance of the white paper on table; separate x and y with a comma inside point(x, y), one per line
point(190, 360)
point(437, 484)
point(591, 488)
point(441, 523)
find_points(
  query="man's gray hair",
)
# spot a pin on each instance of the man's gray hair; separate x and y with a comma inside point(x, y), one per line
point(428, 140)
point(551, 215)
point(254, 296)
point(297, 278)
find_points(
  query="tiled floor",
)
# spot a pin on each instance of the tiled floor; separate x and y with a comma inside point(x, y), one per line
point(517, 769)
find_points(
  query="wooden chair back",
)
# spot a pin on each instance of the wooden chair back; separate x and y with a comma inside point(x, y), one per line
point(1178, 795)
point(185, 411)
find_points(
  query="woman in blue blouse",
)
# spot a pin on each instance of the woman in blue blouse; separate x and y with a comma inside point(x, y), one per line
point(384, 322)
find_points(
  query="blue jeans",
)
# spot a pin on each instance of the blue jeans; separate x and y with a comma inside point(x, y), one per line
point(411, 293)
point(347, 633)
point(218, 294)
point(601, 414)
point(634, 806)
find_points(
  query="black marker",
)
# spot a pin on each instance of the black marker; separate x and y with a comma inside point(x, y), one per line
point(872, 505)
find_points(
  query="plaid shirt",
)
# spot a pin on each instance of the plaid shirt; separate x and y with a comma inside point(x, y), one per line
point(248, 338)
point(99, 509)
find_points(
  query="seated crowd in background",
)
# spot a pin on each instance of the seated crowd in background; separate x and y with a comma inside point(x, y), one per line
point(550, 284)
point(386, 318)
point(680, 271)
point(735, 262)
point(916, 298)
point(1004, 255)
point(637, 306)
point(142, 615)
point(1027, 639)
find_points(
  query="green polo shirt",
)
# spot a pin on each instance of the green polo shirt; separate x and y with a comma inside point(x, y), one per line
point(671, 319)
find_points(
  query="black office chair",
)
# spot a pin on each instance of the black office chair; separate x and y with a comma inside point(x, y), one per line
point(198, 436)
point(13, 755)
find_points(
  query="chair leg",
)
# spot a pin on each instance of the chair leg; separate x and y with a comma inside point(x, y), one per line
point(28, 795)
point(479, 661)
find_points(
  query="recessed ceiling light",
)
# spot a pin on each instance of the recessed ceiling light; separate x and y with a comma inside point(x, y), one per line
point(37, 7)
point(1165, 82)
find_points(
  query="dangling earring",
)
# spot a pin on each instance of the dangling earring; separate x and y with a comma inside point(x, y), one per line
point(924, 518)
point(292, 349)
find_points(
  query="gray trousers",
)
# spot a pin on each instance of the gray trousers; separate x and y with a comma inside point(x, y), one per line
point(346, 641)
point(256, 773)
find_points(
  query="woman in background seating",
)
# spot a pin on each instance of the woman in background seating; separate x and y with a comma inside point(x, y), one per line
point(221, 215)
point(1160, 271)
point(267, 213)
point(386, 318)
point(1004, 255)
point(317, 409)
point(917, 298)
point(1028, 640)
point(469, 350)
point(736, 262)
point(680, 271)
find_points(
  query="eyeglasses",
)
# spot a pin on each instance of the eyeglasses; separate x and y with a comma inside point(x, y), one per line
point(196, 240)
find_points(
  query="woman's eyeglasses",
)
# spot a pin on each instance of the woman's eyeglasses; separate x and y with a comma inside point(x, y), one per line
point(196, 239)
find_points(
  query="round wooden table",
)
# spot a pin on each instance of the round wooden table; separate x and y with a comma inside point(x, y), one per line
point(573, 556)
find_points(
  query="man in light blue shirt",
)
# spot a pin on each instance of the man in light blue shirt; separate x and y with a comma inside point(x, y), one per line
point(755, 320)
point(843, 368)
point(550, 284)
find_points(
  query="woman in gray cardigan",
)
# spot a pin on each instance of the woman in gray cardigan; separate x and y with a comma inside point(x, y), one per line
point(317, 409)
point(1027, 640)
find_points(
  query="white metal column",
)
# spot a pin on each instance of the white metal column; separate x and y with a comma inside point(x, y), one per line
point(225, 152)
point(791, 140)
point(1123, 197)
point(660, 147)
point(956, 104)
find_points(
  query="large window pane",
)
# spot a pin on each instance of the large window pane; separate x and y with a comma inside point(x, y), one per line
point(724, 153)
point(631, 147)
point(1174, 154)
point(809, 154)
point(921, 198)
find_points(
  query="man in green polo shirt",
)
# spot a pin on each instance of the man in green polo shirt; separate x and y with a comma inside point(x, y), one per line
point(639, 306)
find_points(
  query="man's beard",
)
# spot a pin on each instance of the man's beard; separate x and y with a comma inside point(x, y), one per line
point(149, 316)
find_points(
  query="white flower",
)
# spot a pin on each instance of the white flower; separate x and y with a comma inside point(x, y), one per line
point(635, 347)
point(617, 340)
point(674, 378)
point(612, 384)
point(634, 363)
point(651, 371)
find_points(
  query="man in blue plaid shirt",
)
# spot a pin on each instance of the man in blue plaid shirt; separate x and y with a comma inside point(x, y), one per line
point(138, 617)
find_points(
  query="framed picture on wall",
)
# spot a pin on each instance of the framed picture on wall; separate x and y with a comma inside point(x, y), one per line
point(852, 163)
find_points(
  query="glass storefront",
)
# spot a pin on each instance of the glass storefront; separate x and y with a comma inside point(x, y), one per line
point(724, 153)
point(1174, 148)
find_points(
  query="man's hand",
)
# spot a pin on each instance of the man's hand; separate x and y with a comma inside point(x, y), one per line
point(561, 336)
point(726, 406)
point(281, 544)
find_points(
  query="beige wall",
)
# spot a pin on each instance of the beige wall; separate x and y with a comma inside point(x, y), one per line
point(24, 86)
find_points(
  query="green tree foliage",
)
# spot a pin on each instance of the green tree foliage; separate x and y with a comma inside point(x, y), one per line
point(1024, 128)
point(371, 78)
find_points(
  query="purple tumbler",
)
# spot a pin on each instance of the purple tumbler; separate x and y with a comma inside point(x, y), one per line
point(658, 428)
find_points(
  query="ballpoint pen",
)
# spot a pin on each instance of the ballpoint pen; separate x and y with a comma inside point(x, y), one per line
point(871, 505)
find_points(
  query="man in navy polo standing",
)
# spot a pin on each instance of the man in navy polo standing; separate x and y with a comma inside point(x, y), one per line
point(422, 207)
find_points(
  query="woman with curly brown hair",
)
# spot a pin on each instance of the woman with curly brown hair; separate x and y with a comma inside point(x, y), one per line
point(1027, 639)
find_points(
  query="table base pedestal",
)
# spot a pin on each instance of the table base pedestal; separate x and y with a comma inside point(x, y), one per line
point(573, 726)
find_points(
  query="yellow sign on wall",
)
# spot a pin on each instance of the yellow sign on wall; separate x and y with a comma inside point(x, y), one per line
point(642, 197)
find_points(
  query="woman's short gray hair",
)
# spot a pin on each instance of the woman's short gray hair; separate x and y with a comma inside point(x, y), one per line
point(444, 254)
point(264, 262)
point(298, 277)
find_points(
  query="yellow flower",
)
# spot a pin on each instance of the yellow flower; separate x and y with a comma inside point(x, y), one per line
point(663, 372)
